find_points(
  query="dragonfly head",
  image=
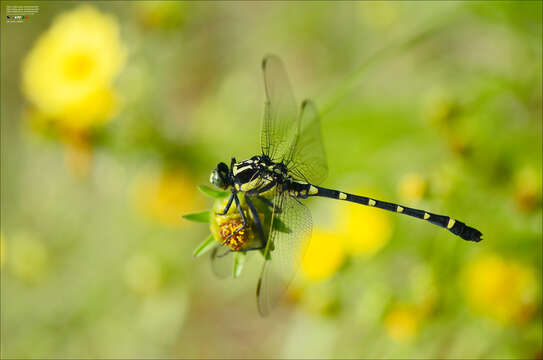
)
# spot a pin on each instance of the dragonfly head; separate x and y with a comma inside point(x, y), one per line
point(219, 176)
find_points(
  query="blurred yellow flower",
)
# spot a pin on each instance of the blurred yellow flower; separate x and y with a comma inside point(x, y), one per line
point(358, 230)
point(364, 230)
point(143, 274)
point(324, 256)
point(503, 289)
point(164, 197)
point(402, 322)
point(67, 75)
point(28, 257)
point(412, 187)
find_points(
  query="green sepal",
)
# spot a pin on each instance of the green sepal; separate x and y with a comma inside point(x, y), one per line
point(239, 261)
point(217, 194)
point(202, 216)
point(205, 246)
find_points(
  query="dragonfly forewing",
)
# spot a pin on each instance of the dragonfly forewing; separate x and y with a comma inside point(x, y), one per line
point(279, 125)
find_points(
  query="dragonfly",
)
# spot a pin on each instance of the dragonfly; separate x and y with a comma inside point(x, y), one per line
point(290, 168)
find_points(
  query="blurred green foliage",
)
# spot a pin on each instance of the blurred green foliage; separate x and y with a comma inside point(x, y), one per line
point(434, 105)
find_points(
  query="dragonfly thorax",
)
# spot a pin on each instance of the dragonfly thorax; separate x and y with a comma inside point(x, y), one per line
point(256, 173)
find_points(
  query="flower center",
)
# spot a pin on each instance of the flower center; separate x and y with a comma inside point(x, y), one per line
point(237, 240)
point(78, 66)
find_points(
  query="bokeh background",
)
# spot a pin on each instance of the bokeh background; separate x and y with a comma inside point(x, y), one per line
point(113, 112)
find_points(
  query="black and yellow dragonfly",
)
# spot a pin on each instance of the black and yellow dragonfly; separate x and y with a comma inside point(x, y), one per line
point(289, 169)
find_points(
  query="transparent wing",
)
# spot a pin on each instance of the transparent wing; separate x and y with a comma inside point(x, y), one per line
point(280, 113)
point(285, 249)
point(307, 159)
point(222, 261)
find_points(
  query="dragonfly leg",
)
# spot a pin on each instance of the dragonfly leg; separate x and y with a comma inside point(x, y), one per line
point(257, 192)
point(262, 189)
point(265, 201)
point(256, 219)
point(243, 220)
point(228, 205)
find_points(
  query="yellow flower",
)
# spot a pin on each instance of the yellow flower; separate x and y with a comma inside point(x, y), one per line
point(412, 187)
point(165, 197)
point(359, 230)
point(28, 257)
point(68, 73)
point(365, 230)
point(222, 226)
point(503, 289)
point(143, 274)
point(324, 256)
point(403, 322)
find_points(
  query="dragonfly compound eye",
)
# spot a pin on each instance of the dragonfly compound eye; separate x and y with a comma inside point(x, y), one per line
point(219, 176)
point(214, 178)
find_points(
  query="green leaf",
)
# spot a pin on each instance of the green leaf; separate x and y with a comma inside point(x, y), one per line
point(280, 226)
point(239, 261)
point(217, 194)
point(202, 216)
point(205, 246)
